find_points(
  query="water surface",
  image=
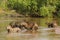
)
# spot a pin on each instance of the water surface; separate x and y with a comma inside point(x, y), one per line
point(43, 32)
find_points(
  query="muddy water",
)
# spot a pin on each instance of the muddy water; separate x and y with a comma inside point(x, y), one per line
point(43, 32)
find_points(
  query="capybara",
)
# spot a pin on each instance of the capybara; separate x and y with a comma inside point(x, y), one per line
point(12, 28)
point(29, 25)
point(19, 26)
point(52, 24)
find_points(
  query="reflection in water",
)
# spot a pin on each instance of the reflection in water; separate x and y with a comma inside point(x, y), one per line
point(42, 34)
point(57, 30)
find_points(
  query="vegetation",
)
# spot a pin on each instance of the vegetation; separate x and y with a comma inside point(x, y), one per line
point(45, 8)
point(36, 8)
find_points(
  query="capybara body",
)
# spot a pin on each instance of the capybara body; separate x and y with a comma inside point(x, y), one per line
point(30, 25)
point(14, 30)
point(19, 26)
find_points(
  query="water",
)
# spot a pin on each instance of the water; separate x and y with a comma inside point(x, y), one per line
point(43, 32)
point(40, 35)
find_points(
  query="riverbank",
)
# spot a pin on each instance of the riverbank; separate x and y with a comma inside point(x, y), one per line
point(13, 14)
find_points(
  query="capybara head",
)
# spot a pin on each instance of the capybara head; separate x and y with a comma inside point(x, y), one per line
point(52, 24)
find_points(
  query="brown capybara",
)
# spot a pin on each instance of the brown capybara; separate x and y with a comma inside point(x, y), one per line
point(52, 24)
point(12, 28)
point(19, 26)
point(29, 25)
